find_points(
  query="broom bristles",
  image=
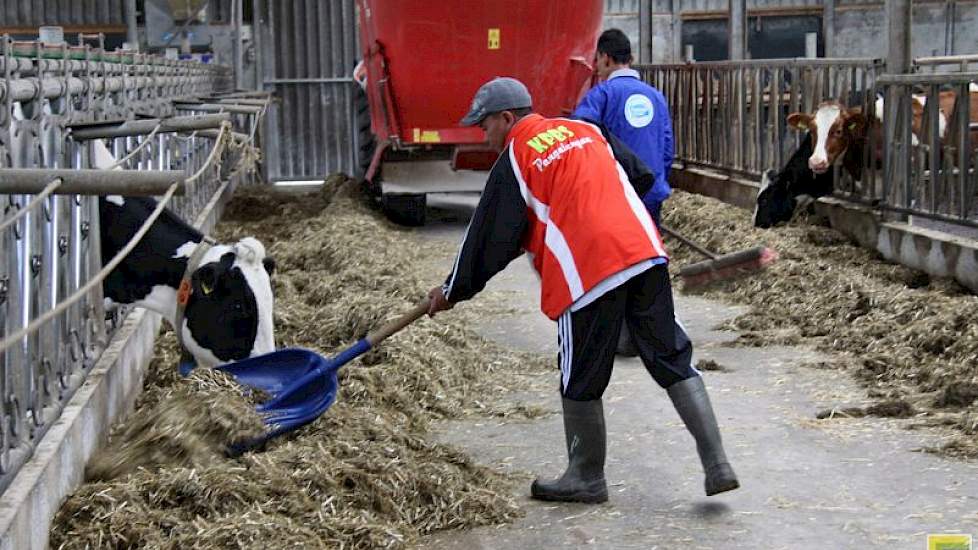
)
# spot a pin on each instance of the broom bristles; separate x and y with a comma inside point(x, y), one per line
point(728, 266)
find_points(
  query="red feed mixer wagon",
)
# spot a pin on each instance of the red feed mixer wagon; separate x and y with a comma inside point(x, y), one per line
point(423, 62)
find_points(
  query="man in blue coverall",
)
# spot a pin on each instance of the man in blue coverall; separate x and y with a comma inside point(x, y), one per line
point(633, 111)
point(636, 114)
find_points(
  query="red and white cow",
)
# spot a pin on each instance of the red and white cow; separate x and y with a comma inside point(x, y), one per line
point(838, 134)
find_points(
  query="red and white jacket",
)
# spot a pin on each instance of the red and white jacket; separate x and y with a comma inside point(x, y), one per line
point(567, 194)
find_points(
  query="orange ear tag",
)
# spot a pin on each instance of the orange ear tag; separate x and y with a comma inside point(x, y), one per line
point(183, 293)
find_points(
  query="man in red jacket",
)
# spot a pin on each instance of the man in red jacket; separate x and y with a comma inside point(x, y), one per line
point(567, 193)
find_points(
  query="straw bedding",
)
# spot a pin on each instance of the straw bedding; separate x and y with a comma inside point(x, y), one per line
point(363, 475)
point(910, 339)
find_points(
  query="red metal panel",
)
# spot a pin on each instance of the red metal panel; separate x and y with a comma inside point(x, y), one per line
point(426, 59)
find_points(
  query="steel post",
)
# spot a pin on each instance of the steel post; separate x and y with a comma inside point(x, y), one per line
point(737, 21)
point(132, 31)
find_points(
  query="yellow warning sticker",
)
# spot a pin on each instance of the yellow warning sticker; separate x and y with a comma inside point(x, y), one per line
point(493, 39)
point(426, 136)
point(948, 542)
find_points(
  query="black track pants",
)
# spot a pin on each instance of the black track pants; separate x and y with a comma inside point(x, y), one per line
point(587, 338)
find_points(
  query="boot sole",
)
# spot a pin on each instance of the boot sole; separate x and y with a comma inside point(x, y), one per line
point(585, 499)
point(728, 486)
point(599, 495)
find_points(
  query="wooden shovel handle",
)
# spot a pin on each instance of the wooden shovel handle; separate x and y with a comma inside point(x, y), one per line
point(376, 336)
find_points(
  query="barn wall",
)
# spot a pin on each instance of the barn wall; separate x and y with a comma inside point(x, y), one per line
point(859, 27)
point(309, 50)
point(624, 15)
point(67, 13)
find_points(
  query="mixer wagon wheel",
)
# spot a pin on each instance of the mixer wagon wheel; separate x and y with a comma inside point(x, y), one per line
point(366, 143)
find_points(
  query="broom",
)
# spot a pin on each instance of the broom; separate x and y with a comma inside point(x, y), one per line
point(727, 266)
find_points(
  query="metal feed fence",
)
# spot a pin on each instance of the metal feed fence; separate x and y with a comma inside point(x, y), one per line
point(945, 64)
point(175, 135)
point(929, 159)
point(731, 117)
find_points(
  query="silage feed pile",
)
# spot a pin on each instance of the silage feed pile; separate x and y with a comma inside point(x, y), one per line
point(912, 340)
point(363, 475)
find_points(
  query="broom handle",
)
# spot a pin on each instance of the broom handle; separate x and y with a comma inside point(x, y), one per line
point(376, 336)
point(688, 242)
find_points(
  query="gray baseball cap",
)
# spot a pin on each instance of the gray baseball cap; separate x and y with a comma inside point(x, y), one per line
point(499, 94)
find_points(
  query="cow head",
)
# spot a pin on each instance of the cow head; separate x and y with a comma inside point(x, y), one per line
point(774, 203)
point(833, 128)
point(229, 314)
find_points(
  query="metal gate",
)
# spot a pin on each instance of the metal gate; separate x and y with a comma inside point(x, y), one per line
point(307, 52)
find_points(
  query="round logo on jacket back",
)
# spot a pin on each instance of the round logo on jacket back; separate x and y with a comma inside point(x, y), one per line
point(638, 110)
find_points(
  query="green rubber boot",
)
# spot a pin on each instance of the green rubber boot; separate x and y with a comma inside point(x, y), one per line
point(584, 479)
point(693, 405)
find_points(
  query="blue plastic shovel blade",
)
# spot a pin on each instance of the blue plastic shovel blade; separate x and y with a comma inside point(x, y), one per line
point(305, 405)
point(302, 383)
point(275, 371)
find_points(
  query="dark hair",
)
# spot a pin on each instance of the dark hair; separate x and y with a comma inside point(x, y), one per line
point(518, 113)
point(615, 44)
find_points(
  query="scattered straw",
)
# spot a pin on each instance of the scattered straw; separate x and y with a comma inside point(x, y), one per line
point(363, 475)
point(901, 333)
point(711, 365)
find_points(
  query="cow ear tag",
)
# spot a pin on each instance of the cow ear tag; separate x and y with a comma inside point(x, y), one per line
point(183, 293)
point(852, 125)
point(802, 124)
point(206, 288)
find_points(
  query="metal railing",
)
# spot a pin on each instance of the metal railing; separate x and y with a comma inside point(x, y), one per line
point(929, 158)
point(945, 63)
point(54, 102)
point(731, 115)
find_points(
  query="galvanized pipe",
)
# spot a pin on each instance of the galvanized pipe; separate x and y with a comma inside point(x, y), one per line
point(14, 181)
point(212, 134)
point(246, 101)
point(219, 108)
point(950, 78)
point(146, 126)
point(946, 59)
point(26, 89)
point(769, 63)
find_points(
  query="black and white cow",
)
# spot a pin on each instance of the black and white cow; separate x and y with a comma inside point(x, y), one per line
point(228, 314)
point(780, 192)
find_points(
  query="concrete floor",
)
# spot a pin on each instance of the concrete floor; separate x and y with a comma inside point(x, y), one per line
point(806, 483)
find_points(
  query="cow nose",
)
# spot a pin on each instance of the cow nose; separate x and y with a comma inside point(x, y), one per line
point(817, 164)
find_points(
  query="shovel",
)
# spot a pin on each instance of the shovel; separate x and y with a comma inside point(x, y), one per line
point(302, 384)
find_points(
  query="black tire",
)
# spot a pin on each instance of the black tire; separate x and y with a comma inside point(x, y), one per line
point(404, 208)
point(366, 144)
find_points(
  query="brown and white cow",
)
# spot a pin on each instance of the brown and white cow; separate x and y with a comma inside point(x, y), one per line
point(835, 127)
point(838, 134)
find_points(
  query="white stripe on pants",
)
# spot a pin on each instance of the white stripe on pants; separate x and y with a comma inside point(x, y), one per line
point(565, 337)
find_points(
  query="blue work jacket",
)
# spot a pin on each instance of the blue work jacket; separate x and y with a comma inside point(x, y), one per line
point(637, 114)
